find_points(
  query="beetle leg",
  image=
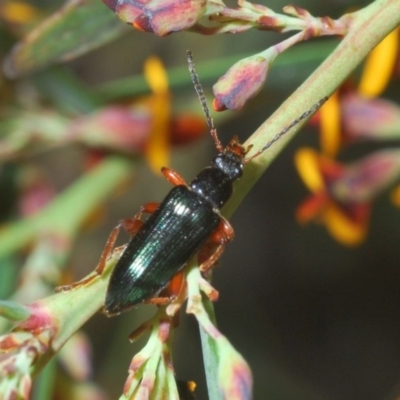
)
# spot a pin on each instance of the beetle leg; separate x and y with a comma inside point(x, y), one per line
point(100, 266)
point(131, 225)
point(173, 177)
point(171, 292)
point(214, 247)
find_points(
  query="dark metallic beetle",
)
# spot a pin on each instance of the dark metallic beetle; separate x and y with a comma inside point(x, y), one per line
point(187, 221)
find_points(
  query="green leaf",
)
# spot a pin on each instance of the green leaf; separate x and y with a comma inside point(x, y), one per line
point(76, 28)
point(13, 311)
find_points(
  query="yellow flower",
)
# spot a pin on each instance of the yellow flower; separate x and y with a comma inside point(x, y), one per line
point(345, 220)
point(18, 12)
point(330, 125)
point(157, 151)
point(379, 66)
point(341, 195)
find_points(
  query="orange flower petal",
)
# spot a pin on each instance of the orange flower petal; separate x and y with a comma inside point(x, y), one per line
point(379, 66)
point(395, 196)
point(330, 125)
point(186, 128)
point(307, 164)
point(311, 208)
point(191, 386)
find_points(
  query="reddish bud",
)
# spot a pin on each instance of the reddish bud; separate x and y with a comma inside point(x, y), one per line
point(111, 4)
point(119, 128)
point(160, 17)
point(126, 10)
point(241, 82)
point(370, 118)
point(364, 180)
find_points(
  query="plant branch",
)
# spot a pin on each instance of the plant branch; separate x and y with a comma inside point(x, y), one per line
point(366, 29)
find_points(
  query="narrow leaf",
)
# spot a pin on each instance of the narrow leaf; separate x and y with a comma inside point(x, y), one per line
point(76, 28)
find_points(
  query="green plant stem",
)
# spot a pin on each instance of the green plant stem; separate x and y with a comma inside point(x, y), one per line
point(66, 213)
point(44, 385)
point(210, 354)
point(72, 309)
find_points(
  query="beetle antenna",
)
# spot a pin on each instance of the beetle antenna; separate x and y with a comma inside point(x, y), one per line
point(202, 98)
point(303, 116)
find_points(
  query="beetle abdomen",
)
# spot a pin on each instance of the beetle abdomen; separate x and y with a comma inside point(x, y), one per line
point(161, 248)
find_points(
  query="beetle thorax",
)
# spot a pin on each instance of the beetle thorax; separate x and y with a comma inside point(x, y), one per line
point(214, 183)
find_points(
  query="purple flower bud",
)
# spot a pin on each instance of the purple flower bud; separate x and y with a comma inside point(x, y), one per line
point(375, 119)
point(160, 17)
point(364, 180)
point(241, 82)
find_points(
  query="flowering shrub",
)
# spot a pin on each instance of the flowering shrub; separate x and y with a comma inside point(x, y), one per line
point(114, 133)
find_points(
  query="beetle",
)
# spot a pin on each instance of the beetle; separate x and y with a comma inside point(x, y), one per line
point(187, 221)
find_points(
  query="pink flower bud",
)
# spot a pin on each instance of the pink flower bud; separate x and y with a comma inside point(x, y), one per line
point(370, 118)
point(159, 17)
point(242, 82)
point(364, 180)
point(119, 128)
